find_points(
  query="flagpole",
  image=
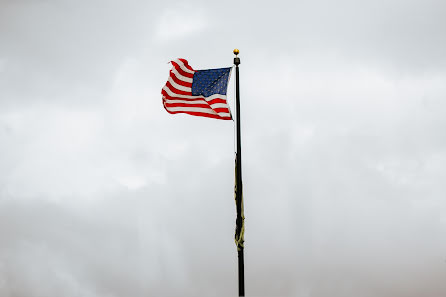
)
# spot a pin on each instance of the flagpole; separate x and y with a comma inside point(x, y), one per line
point(239, 186)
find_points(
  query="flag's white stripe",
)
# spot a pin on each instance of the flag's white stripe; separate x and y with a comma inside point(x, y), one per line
point(184, 68)
point(179, 87)
point(181, 77)
point(173, 94)
point(215, 105)
point(198, 109)
point(216, 96)
point(219, 105)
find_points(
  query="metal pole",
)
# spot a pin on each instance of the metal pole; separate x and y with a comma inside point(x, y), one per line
point(239, 185)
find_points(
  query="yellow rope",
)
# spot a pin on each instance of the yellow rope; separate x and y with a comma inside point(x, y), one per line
point(239, 238)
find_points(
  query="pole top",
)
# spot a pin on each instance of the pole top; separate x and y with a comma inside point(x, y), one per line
point(236, 58)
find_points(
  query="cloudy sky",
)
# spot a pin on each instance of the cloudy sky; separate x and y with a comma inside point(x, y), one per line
point(105, 194)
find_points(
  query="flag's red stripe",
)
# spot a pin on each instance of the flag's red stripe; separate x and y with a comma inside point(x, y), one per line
point(186, 64)
point(221, 109)
point(181, 71)
point(192, 101)
point(217, 100)
point(179, 81)
point(201, 114)
point(201, 105)
point(168, 97)
point(213, 101)
point(165, 94)
point(176, 91)
point(196, 104)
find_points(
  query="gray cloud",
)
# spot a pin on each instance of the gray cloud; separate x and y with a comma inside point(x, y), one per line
point(102, 193)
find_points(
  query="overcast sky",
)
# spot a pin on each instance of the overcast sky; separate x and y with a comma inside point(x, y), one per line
point(105, 194)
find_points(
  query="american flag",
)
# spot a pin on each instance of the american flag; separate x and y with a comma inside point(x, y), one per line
point(197, 92)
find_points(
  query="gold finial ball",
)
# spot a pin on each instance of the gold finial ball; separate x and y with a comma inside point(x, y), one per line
point(236, 52)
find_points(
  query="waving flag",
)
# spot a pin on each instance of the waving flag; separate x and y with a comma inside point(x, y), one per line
point(197, 92)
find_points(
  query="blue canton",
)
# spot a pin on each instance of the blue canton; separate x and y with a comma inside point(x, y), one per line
point(211, 81)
